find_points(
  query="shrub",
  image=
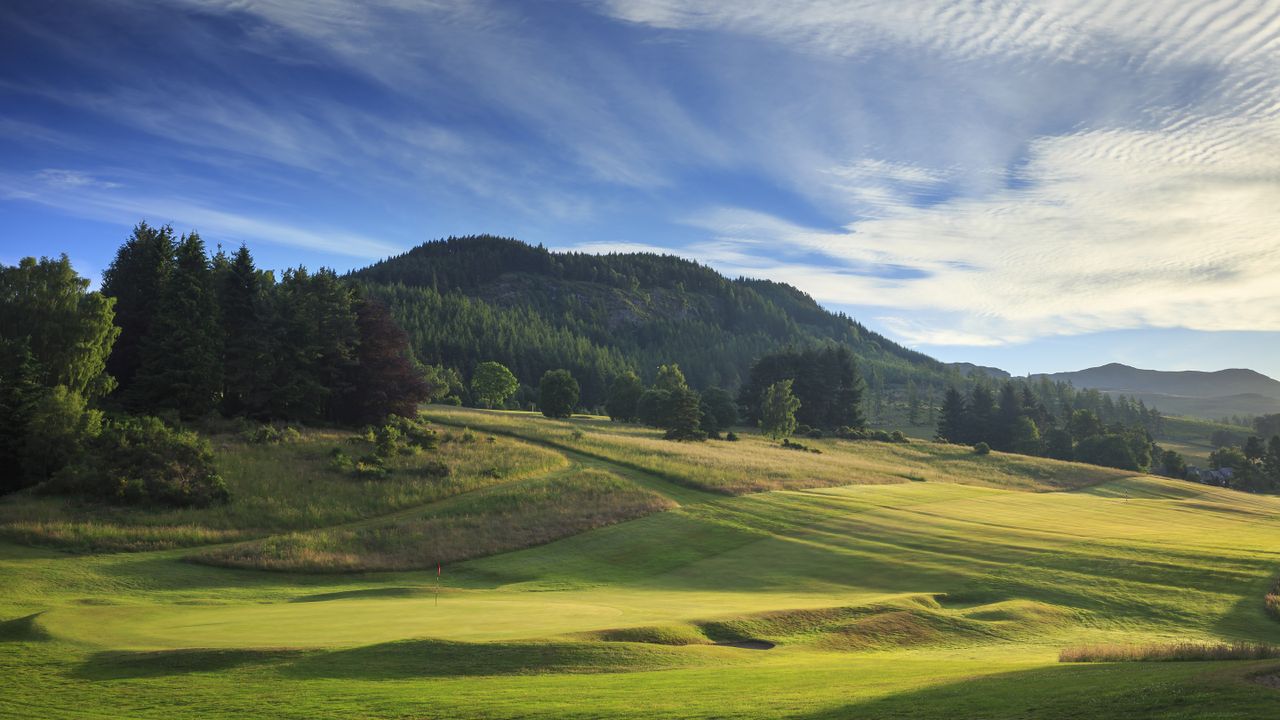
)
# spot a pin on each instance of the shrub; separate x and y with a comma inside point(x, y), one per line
point(271, 434)
point(731, 436)
point(815, 433)
point(790, 445)
point(982, 449)
point(140, 460)
point(897, 437)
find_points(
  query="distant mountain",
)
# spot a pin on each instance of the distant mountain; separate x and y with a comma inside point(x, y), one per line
point(1184, 392)
point(467, 300)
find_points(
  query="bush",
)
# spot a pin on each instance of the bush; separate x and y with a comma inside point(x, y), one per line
point(271, 434)
point(140, 460)
point(982, 449)
point(790, 445)
point(897, 437)
point(731, 436)
point(815, 433)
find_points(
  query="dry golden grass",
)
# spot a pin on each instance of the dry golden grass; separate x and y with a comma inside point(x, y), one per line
point(1169, 652)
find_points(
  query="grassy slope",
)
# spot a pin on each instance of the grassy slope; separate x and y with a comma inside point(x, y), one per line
point(944, 598)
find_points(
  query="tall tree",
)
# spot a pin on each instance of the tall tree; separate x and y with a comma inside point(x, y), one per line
point(67, 330)
point(135, 279)
point(624, 393)
point(670, 379)
point(952, 423)
point(182, 353)
point(246, 348)
point(492, 383)
point(778, 410)
point(719, 411)
point(383, 379)
point(557, 394)
point(686, 416)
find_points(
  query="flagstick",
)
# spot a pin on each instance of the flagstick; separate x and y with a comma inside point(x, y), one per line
point(437, 584)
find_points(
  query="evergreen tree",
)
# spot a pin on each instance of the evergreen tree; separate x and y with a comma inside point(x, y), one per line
point(492, 383)
point(624, 393)
point(19, 391)
point(686, 416)
point(135, 279)
point(952, 423)
point(913, 403)
point(1006, 424)
point(778, 410)
point(653, 407)
point(981, 420)
point(670, 379)
point(1271, 463)
point(557, 393)
point(181, 355)
point(246, 349)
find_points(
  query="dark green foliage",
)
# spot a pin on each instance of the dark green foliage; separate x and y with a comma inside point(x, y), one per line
point(719, 410)
point(981, 449)
point(140, 460)
point(135, 278)
point(492, 383)
point(653, 408)
point(952, 422)
point(181, 366)
point(1058, 444)
point(624, 396)
point(1108, 450)
point(792, 445)
point(271, 434)
point(686, 416)
point(557, 393)
point(67, 330)
point(315, 327)
point(19, 391)
point(246, 346)
point(778, 408)
point(467, 299)
point(1172, 464)
point(825, 380)
point(59, 425)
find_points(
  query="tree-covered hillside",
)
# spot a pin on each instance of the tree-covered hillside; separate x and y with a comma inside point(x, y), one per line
point(467, 300)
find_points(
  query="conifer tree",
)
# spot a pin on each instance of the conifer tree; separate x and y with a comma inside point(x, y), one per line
point(246, 353)
point(953, 418)
point(686, 416)
point(135, 279)
point(182, 352)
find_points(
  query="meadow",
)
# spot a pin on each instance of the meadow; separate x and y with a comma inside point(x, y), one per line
point(678, 580)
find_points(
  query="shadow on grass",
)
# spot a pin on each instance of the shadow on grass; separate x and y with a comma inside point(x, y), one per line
point(434, 658)
point(1069, 691)
point(23, 629)
point(125, 665)
point(390, 592)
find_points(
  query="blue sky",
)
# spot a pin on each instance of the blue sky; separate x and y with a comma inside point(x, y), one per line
point(1039, 186)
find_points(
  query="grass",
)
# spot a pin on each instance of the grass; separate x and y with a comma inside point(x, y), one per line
point(1172, 652)
point(275, 488)
point(486, 522)
point(882, 597)
point(754, 464)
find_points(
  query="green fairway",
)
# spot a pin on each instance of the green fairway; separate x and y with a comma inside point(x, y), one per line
point(889, 581)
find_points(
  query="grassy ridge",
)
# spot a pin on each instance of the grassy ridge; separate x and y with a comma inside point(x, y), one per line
point(755, 465)
point(276, 488)
point(487, 522)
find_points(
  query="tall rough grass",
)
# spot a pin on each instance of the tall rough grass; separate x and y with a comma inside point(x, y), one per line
point(1169, 652)
point(484, 523)
point(1271, 602)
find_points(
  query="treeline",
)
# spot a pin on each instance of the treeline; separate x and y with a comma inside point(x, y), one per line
point(1254, 463)
point(178, 334)
point(825, 381)
point(202, 334)
point(467, 300)
point(1015, 418)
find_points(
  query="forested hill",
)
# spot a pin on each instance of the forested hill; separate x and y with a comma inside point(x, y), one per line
point(471, 299)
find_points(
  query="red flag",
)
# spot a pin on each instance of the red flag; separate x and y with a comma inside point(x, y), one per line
point(437, 569)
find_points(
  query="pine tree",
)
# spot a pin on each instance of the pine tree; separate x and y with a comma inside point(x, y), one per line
point(135, 279)
point(953, 418)
point(778, 410)
point(246, 352)
point(182, 353)
point(686, 416)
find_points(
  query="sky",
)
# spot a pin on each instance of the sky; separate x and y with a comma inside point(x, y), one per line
point(1039, 186)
